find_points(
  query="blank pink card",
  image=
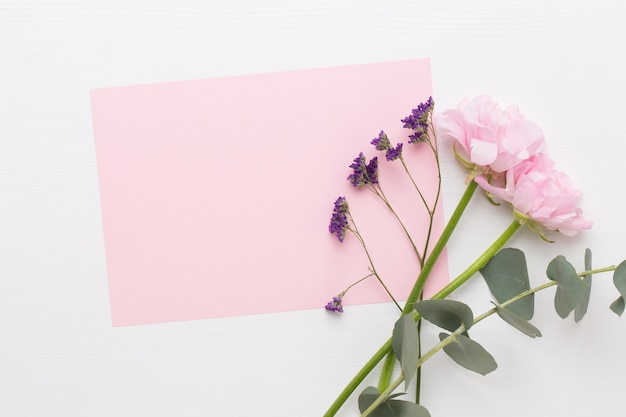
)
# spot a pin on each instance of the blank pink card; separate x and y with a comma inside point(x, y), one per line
point(217, 194)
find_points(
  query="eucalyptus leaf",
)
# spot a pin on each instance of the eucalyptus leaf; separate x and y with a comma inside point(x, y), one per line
point(570, 289)
point(390, 408)
point(619, 278)
point(516, 321)
point(506, 276)
point(581, 308)
point(405, 345)
point(469, 354)
point(618, 306)
point(447, 314)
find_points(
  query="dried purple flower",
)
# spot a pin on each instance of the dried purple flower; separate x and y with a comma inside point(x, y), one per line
point(339, 219)
point(419, 121)
point(394, 153)
point(335, 305)
point(381, 142)
point(364, 174)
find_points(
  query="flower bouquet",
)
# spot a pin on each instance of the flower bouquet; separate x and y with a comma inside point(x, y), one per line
point(503, 155)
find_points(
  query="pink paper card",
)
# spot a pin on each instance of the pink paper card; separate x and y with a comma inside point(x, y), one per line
point(216, 194)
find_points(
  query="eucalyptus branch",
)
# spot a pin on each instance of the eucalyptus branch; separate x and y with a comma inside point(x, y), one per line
point(452, 337)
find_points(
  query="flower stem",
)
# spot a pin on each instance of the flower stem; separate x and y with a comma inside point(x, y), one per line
point(387, 371)
point(417, 289)
point(479, 262)
point(413, 297)
point(358, 378)
point(356, 232)
point(380, 194)
point(416, 292)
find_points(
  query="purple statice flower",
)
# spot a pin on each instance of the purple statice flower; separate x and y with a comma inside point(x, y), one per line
point(335, 305)
point(381, 142)
point(339, 219)
point(394, 153)
point(418, 121)
point(364, 174)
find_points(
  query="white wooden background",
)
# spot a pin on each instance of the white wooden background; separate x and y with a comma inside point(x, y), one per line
point(563, 62)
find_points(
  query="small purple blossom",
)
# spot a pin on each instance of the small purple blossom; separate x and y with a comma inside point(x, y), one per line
point(381, 142)
point(335, 305)
point(419, 121)
point(339, 219)
point(364, 174)
point(394, 153)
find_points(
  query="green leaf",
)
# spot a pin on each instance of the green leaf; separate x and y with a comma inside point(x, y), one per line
point(581, 308)
point(506, 276)
point(447, 314)
point(570, 289)
point(516, 321)
point(390, 408)
point(469, 354)
point(619, 278)
point(618, 306)
point(405, 345)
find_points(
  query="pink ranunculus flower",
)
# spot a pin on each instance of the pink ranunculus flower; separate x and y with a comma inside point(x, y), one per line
point(541, 194)
point(490, 139)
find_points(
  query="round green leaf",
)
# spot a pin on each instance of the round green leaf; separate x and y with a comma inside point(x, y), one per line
point(506, 276)
point(619, 278)
point(517, 322)
point(447, 314)
point(570, 289)
point(469, 354)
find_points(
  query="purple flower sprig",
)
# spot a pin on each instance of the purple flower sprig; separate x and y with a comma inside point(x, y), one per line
point(364, 173)
point(419, 121)
point(382, 143)
point(339, 220)
point(335, 304)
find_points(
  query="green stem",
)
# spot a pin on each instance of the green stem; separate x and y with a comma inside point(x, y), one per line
point(414, 296)
point(479, 262)
point(358, 378)
point(387, 371)
point(418, 374)
point(417, 289)
point(416, 292)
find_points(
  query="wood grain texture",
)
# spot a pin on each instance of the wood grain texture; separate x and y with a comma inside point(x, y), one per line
point(562, 62)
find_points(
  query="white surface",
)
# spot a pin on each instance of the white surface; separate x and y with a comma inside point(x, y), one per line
point(561, 61)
